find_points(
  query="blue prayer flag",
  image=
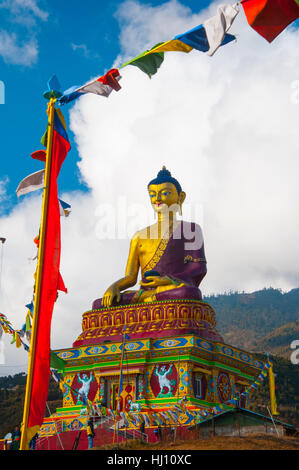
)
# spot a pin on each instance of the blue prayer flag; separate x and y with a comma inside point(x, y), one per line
point(197, 38)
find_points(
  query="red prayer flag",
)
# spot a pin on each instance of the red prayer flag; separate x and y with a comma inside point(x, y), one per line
point(36, 241)
point(110, 79)
point(270, 17)
point(61, 285)
point(50, 282)
point(39, 155)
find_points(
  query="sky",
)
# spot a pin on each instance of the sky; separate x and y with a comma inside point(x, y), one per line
point(225, 126)
point(39, 39)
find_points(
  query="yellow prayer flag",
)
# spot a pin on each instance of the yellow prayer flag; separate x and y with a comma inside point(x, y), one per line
point(18, 340)
point(172, 45)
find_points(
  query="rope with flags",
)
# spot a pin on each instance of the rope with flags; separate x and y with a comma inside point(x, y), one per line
point(267, 17)
point(5, 326)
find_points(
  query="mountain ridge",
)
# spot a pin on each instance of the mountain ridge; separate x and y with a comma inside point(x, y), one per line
point(268, 318)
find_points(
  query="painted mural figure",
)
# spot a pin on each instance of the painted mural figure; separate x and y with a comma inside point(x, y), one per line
point(166, 385)
point(83, 391)
point(169, 253)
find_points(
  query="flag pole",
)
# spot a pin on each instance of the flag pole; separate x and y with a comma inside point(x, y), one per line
point(40, 262)
point(120, 376)
point(273, 402)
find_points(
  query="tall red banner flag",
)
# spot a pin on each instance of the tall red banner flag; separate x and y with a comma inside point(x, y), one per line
point(50, 282)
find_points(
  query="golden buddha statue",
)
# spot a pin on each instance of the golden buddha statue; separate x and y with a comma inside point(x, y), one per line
point(170, 253)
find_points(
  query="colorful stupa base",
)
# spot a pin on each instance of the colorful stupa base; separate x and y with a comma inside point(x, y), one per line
point(173, 352)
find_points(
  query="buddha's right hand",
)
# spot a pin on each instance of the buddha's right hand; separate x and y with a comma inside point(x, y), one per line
point(111, 293)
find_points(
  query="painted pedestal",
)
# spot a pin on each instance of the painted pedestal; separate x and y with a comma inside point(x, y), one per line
point(173, 352)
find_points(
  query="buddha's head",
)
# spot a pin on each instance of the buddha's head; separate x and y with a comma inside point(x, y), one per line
point(165, 193)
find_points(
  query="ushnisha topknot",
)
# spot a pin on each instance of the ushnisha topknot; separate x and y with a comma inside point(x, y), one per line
point(164, 176)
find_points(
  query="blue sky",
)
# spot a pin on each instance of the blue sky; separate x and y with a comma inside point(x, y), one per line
point(74, 43)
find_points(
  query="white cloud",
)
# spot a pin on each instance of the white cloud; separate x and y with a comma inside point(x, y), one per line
point(139, 33)
point(3, 193)
point(84, 268)
point(227, 129)
point(225, 126)
point(12, 49)
point(25, 11)
point(3, 184)
point(15, 53)
point(84, 50)
point(80, 47)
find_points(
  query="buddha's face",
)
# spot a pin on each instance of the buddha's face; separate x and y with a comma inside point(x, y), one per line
point(164, 197)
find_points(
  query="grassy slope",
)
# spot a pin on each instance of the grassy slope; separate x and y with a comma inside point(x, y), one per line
point(252, 442)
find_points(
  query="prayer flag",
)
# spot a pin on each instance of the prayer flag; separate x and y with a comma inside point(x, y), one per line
point(60, 285)
point(197, 39)
point(50, 279)
point(17, 339)
point(172, 45)
point(39, 155)
point(102, 86)
point(30, 306)
point(1, 328)
point(64, 208)
point(56, 362)
point(28, 322)
point(148, 62)
point(217, 26)
point(190, 417)
point(31, 183)
point(127, 423)
point(205, 38)
point(270, 17)
point(146, 420)
point(173, 415)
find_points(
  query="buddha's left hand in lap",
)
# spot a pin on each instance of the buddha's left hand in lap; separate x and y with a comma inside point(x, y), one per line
point(155, 281)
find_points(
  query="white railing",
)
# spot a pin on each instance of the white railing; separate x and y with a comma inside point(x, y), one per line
point(109, 423)
point(134, 434)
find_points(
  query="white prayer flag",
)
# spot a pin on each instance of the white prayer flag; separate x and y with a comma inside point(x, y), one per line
point(31, 183)
point(217, 26)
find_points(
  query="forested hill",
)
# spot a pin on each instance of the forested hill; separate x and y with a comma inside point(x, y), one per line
point(12, 393)
point(267, 317)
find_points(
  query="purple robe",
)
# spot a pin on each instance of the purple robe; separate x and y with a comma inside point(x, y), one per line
point(183, 259)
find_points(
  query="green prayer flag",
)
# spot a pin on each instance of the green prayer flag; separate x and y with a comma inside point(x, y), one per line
point(44, 139)
point(57, 362)
point(28, 323)
point(148, 63)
